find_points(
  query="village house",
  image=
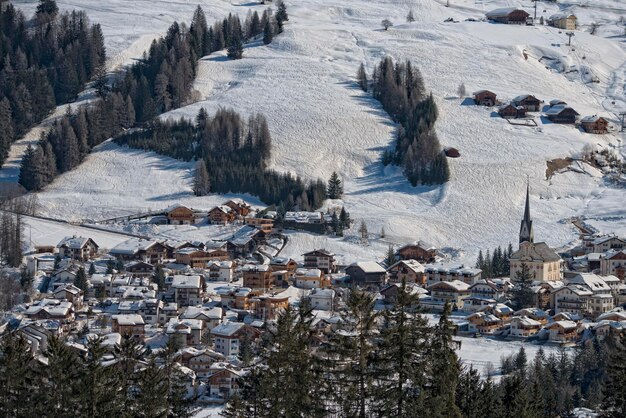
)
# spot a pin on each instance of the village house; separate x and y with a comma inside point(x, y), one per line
point(257, 276)
point(572, 299)
point(70, 293)
point(188, 290)
point(562, 331)
point(186, 332)
point(409, 271)
point(224, 381)
point(211, 317)
point(100, 285)
point(367, 273)
point(523, 327)
point(180, 215)
point(500, 310)
point(477, 303)
point(508, 15)
point(200, 361)
point(509, 111)
point(614, 263)
point(322, 299)
point(196, 258)
point(235, 297)
point(605, 328)
point(320, 259)
point(448, 272)
point(601, 300)
point(264, 224)
point(139, 269)
point(453, 292)
point(51, 309)
point(239, 207)
point(316, 222)
point(311, 279)
point(149, 251)
point(130, 324)
point(390, 292)
point(608, 242)
point(484, 98)
point(245, 241)
point(150, 310)
point(221, 270)
point(483, 323)
point(418, 251)
point(168, 311)
point(561, 114)
point(78, 248)
point(229, 335)
point(594, 124)
point(37, 335)
point(533, 313)
point(267, 307)
point(283, 263)
point(221, 215)
point(528, 102)
point(491, 289)
point(565, 21)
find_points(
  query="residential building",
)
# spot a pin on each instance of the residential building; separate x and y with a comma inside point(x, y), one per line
point(311, 279)
point(614, 263)
point(418, 251)
point(77, 248)
point(449, 272)
point(528, 102)
point(180, 215)
point(508, 15)
point(594, 124)
point(409, 271)
point(129, 324)
point(367, 273)
point(257, 276)
point(322, 299)
point(484, 98)
point(320, 259)
point(188, 290)
point(565, 21)
point(562, 331)
point(523, 327)
point(228, 336)
point(453, 292)
point(561, 114)
point(221, 270)
point(186, 332)
point(221, 215)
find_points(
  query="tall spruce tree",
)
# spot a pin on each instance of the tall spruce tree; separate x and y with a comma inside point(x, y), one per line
point(201, 186)
point(522, 295)
point(80, 281)
point(361, 77)
point(335, 187)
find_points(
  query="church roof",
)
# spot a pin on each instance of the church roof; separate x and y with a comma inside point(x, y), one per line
point(535, 251)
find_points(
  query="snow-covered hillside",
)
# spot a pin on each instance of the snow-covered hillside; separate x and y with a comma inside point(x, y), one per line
point(320, 121)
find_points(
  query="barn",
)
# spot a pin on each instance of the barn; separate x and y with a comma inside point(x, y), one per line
point(508, 15)
point(561, 114)
point(594, 124)
point(484, 98)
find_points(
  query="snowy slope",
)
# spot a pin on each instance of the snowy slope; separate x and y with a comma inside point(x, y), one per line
point(320, 121)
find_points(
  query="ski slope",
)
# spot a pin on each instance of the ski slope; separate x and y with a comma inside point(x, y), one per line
point(321, 122)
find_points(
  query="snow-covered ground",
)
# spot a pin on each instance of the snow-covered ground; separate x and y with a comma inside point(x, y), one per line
point(303, 82)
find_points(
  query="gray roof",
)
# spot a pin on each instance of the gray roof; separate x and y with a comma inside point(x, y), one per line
point(538, 251)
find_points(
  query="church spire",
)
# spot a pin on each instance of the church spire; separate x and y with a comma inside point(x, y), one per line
point(526, 229)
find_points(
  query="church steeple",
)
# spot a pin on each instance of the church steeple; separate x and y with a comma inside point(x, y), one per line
point(526, 229)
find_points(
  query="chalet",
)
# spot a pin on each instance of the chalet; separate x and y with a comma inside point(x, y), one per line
point(149, 251)
point(132, 325)
point(77, 248)
point(211, 317)
point(180, 215)
point(221, 215)
point(367, 273)
point(139, 269)
point(594, 124)
point(483, 323)
point(239, 207)
point(36, 336)
point(224, 381)
point(283, 263)
point(490, 289)
point(510, 111)
point(172, 246)
point(188, 290)
point(608, 242)
point(477, 303)
point(311, 279)
point(245, 241)
point(221, 270)
point(508, 15)
point(267, 307)
point(565, 21)
point(70, 293)
point(317, 222)
point(528, 102)
point(390, 292)
point(614, 263)
point(100, 285)
point(606, 328)
point(150, 310)
point(601, 299)
point(500, 310)
point(53, 309)
point(562, 331)
point(484, 98)
point(556, 102)
point(238, 298)
point(561, 114)
point(322, 299)
point(523, 327)
point(257, 277)
point(229, 335)
point(409, 271)
point(200, 361)
point(419, 251)
point(453, 292)
point(186, 332)
point(572, 299)
point(193, 257)
point(320, 259)
point(264, 224)
point(446, 273)
point(167, 312)
point(542, 261)
point(533, 313)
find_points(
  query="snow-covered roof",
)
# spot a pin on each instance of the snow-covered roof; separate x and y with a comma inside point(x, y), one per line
point(594, 282)
point(523, 97)
point(526, 321)
point(309, 272)
point(591, 119)
point(565, 324)
point(132, 246)
point(370, 267)
point(307, 217)
point(222, 208)
point(559, 16)
point(454, 284)
point(556, 110)
point(186, 282)
point(183, 326)
point(322, 293)
point(244, 235)
point(74, 243)
point(255, 268)
point(413, 265)
point(227, 329)
point(129, 319)
point(503, 11)
point(555, 102)
point(193, 312)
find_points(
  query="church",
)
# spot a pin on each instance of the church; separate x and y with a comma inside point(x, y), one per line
point(544, 263)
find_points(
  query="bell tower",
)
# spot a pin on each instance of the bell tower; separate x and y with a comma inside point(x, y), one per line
point(526, 232)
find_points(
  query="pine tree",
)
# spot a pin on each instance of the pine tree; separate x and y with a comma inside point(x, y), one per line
point(92, 269)
point(80, 281)
point(150, 399)
point(159, 277)
point(268, 32)
point(409, 17)
point(344, 219)
point(16, 386)
point(201, 185)
point(614, 402)
point(235, 48)
point(335, 188)
point(522, 295)
point(281, 14)
point(364, 234)
point(390, 258)
point(361, 77)
point(246, 353)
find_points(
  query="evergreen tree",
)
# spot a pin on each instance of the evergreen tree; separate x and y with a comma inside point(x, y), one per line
point(281, 14)
point(390, 258)
point(80, 281)
point(363, 233)
point(246, 353)
point(335, 188)
point(201, 185)
point(92, 269)
point(409, 17)
point(16, 387)
point(48, 7)
point(522, 295)
point(235, 48)
point(361, 77)
point(268, 32)
point(159, 277)
point(344, 219)
point(614, 402)
point(151, 396)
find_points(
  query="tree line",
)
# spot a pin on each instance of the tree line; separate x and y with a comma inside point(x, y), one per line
point(44, 62)
point(233, 155)
point(400, 89)
point(393, 363)
point(496, 263)
point(130, 382)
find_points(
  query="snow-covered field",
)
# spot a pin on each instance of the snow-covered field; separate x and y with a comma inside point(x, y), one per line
point(303, 82)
